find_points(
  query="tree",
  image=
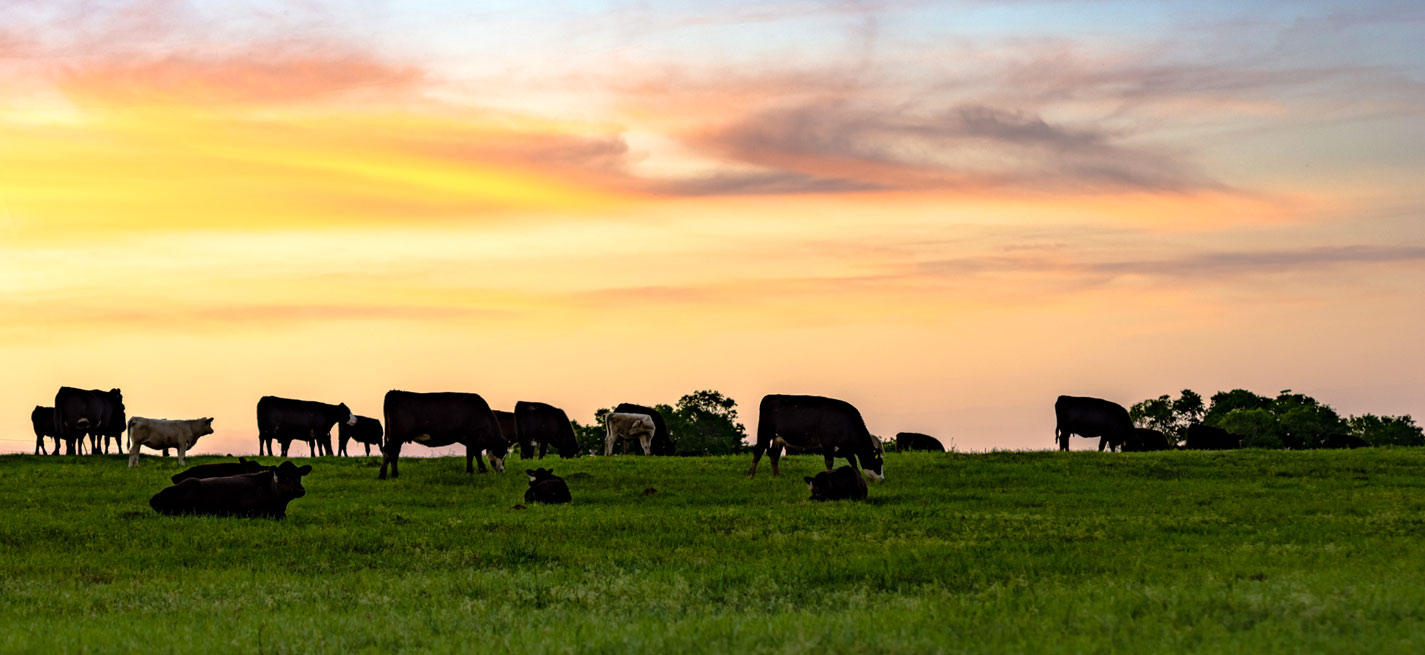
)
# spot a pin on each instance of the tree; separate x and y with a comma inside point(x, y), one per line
point(1386, 430)
point(705, 423)
point(1258, 427)
point(1223, 402)
point(1171, 417)
point(1188, 407)
point(1304, 422)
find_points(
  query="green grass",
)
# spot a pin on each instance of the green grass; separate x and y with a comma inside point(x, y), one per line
point(1305, 552)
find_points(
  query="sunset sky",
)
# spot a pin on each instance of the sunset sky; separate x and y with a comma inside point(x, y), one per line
point(946, 213)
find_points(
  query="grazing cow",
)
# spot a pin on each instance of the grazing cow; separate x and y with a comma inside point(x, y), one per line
point(546, 487)
point(833, 426)
point(844, 483)
point(80, 412)
point(42, 419)
point(662, 439)
point(442, 419)
point(1207, 437)
point(508, 429)
point(1344, 441)
point(1091, 417)
point(285, 419)
point(1144, 440)
point(546, 424)
point(159, 433)
point(263, 494)
point(628, 427)
point(910, 441)
point(366, 431)
point(221, 470)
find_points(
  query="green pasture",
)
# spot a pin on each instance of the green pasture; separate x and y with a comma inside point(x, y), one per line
point(1258, 551)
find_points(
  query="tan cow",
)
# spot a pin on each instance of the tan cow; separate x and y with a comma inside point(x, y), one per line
point(160, 433)
point(622, 426)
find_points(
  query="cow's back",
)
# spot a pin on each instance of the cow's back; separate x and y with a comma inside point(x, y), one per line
point(807, 421)
point(445, 417)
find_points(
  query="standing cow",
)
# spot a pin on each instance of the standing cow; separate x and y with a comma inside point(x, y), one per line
point(42, 420)
point(628, 428)
point(826, 424)
point(161, 434)
point(441, 419)
point(285, 419)
point(662, 438)
point(547, 425)
point(1091, 417)
point(912, 441)
point(366, 431)
point(80, 412)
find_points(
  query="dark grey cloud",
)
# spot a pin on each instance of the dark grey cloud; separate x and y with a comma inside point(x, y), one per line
point(1200, 265)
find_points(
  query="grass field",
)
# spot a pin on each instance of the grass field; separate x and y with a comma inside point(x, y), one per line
point(1010, 552)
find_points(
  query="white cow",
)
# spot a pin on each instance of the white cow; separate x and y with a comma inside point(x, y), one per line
point(161, 433)
point(628, 427)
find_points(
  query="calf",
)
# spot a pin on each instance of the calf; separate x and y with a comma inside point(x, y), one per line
point(243, 465)
point(546, 487)
point(844, 483)
point(42, 419)
point(263, 494)
point(366, 431)
point(627, 427)
point(158, 433)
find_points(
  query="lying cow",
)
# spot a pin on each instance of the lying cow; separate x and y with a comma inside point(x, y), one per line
point(912, 441)
point(546, 487)
point(158, 434)
point(263, 494)
point(628, 427)
point(224, 469)
point(366, 432)
point(1142, 440)
point(844, 483)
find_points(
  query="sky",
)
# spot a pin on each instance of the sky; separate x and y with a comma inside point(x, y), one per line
point(945, 213)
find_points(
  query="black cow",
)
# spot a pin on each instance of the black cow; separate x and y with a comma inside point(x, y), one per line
point(1091, 417)
point(1144, 440)
point(1207, 437)
point(366, 431)
point(42, 419)
point(220, 470)
point(662, 439)
point(546, 487)
point(80, 412)
point(263, 494)
point(442, 419)
point(844, 483)
point(547, 425)
point(909, 441)
point(833, 426)
point(508, 429)
point(285, 419)
point(1344, 441)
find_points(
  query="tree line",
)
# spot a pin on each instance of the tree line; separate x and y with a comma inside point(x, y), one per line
point(1289, 420)
point(703, 422)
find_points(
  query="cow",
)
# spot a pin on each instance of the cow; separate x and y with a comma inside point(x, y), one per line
point(1145, 440)
point(1200, 436)
point(508, 428)
point(159, 433)
point(546, 424)
point(844, 483)
point(662, 439)
point(1091, 417)
point(222, 469)
point(834, 426)
point(441, 419)
point(1344, 441)
point(546, 487)
point(628, 427)
point(366, 431)
point(911, 441)
point(80, 412)
point(263, 494)
point(285, 419)
point(42, 419)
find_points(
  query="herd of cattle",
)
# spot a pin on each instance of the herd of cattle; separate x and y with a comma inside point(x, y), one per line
point(808, 424)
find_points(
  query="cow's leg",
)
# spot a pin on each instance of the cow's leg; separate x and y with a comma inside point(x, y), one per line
point(608, 440)
point(1102, 441)
point(165, 452)
point(542, 447)
point(757, 450)
point(341, 445)
point(472, 454)
point(182, 450)
point(647, 442)
point(40, 445)
point(133, 453)
point(286, 443)
point(389, 456)
point(368, 449)
point(829, 454)
point(1063, 437)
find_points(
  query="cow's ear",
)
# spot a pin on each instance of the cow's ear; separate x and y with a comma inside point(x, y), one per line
point(809, 480)
point(305, 469)
point(529, 472)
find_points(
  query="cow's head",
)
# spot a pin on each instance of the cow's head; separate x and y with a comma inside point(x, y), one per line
point(350, 415)
point(873, 463)
point(497, 456)
point(289, 479)
point(537, 475)
point(205, 426)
